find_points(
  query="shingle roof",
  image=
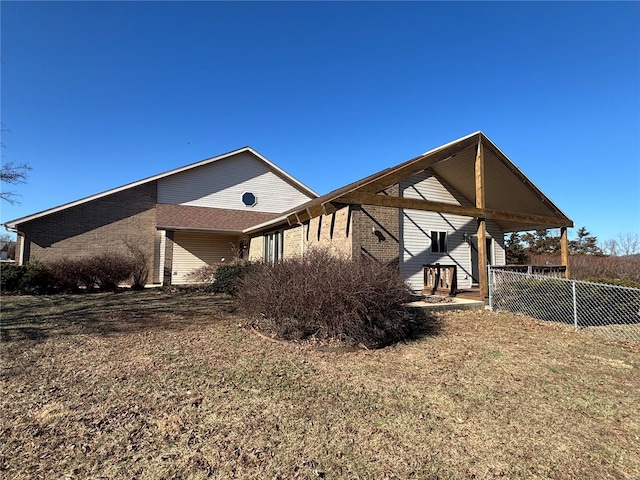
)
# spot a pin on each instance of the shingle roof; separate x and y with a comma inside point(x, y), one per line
point(12, 224)
point(176, 217)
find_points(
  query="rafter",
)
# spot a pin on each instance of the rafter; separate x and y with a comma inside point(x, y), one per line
point(440, 207)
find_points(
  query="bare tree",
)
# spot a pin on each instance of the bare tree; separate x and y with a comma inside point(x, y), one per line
point(628, 243)
point(11, 173)
point(610, 247)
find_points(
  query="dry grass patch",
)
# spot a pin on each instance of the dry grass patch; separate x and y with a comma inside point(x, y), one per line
point(157, 385)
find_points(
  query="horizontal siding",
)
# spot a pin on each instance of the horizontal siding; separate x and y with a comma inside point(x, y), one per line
point(193, 250)
point(416, 227)
point(426, 186)
point(221, 184)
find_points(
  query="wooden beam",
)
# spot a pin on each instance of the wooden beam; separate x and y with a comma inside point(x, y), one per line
point(315, 210)
point(303, 216)
point(564, 249)
point(292, 219)
point(479, 175)
point(483, 277)
point(329, 207)
point(441, 207)
point(416, 165)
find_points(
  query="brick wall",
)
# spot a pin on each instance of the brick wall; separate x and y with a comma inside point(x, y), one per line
point(292, 246)
point(256, 248)
point(347, 232)
point(331, 231)
point(98, 226)
point(384, 244)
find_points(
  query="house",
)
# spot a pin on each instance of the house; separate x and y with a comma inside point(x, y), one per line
point(182, 219)
point(450, 206)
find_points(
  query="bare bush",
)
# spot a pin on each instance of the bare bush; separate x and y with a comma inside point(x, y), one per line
point(110, 270)
point(105, 271)
point(596, 268)
point(204, 274)
point(323, 296)
point(140, 260)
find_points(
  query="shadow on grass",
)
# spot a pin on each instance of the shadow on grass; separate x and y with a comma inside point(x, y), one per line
point(425, 324)
point(36, 318)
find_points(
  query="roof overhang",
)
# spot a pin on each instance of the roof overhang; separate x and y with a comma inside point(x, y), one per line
point(170, 228)
point(12, 225)
point(510, 199)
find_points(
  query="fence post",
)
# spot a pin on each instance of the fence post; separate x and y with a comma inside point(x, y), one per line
point(490, 281)
point(575, 305)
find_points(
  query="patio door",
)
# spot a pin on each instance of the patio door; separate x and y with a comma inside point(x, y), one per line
point(474, 257)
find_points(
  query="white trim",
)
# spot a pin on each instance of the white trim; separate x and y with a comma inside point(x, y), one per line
point(192, 229)
point(21, 245)
point(278, 170)
point(274, 221)
point(453, 143)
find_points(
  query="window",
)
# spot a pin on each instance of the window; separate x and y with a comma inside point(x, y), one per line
point(438, 242)
point(273, 246)
point(249, 199)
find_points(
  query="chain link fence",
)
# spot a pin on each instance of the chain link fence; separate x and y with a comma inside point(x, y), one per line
point(608, 311)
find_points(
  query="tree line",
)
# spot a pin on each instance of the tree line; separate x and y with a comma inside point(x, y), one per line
point(521, 246)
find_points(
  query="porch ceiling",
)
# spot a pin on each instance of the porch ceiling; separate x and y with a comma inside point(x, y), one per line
point(507, 189)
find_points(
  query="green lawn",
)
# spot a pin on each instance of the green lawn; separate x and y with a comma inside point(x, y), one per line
point(172, 385)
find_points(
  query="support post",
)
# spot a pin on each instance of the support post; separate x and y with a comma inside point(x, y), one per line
point(564, 249)
point(482, 223)
point(575, 305)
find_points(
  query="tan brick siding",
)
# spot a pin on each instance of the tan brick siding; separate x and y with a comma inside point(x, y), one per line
point(256, 249)
point(330, 231)
point(382, 245)
point(348, 232)
point(293, 246)
point(99, 226)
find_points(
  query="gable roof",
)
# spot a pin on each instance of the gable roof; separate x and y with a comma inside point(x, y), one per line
point(12, 224)
point(511, 199)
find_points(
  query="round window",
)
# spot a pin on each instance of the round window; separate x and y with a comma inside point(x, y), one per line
point(249, 199)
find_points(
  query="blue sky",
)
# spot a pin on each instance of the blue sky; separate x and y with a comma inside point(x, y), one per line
point(99, 94)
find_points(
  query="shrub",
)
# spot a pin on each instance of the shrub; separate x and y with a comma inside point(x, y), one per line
point(104, 271)
point(31, 279)
point(10, 277)
point(109, 270)
point(140, 260)
point(325, 297)
point(204, 274)
point(222, 278)
point(606, 269)
point(227, 278)
point(66, 275)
